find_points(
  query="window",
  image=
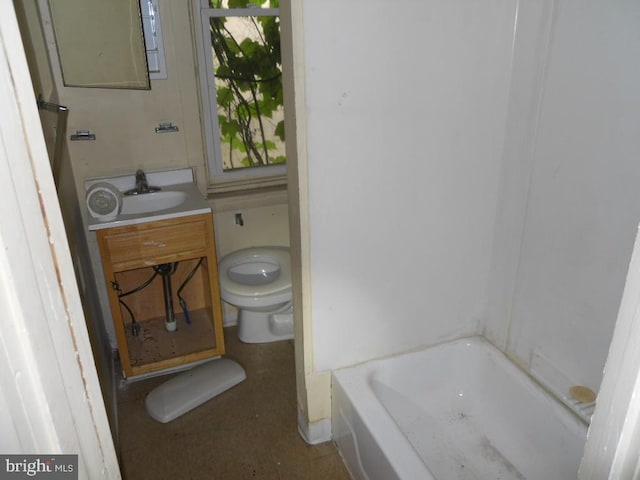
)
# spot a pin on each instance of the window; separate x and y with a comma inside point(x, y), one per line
point(241, 80)
point(152, 30)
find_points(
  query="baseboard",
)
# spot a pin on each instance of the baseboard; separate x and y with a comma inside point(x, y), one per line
point(316, 432)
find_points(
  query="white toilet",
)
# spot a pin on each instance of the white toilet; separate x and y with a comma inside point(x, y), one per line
point(257, 281)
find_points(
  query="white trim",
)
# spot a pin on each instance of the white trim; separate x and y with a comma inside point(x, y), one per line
point(154, 39)
point(242, 12)
point(314, 432)
point(613, 442)
point(313, 388)
point(50, 386)
point(210, 126)
point(50, 41)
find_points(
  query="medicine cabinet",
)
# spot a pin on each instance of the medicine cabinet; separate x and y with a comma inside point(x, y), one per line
point(100, 43)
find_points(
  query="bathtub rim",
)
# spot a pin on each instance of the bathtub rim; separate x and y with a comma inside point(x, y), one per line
point(351, 380)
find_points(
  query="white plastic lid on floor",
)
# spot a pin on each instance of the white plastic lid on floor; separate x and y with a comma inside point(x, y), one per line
point(192, 388)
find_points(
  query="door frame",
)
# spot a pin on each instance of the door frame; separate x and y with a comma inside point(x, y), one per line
point(50, 400)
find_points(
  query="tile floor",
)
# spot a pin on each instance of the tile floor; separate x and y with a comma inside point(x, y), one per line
point(248, 432)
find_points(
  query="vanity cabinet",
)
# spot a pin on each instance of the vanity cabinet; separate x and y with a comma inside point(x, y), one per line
point(139, 310)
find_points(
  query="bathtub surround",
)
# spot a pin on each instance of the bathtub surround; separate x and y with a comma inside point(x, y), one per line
point(413, 176)
point(491, 192)
point(583, 205)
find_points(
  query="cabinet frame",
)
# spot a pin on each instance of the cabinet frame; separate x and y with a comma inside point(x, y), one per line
point(144, 245)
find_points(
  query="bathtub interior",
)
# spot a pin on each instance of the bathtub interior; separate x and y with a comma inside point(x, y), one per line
point(463, 409)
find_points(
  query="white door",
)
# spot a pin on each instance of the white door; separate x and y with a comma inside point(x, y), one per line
point(612, 450)
point(50, 399)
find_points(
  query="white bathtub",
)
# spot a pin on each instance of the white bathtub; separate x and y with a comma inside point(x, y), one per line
point(459, 411)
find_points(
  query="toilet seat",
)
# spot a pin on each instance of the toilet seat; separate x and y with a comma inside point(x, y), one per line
point(256, 294)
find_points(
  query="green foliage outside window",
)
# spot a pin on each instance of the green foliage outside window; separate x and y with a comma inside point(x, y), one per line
point(248, 72)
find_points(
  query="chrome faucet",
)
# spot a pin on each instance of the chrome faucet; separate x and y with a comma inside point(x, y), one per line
point(142, 185)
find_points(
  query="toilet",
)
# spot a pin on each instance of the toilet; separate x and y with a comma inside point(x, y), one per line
point(257, 281)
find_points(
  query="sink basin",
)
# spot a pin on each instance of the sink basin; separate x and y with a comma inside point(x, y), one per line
point(179, 197)
point(152, 202)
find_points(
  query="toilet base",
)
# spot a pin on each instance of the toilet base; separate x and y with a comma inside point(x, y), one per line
point(265, 327)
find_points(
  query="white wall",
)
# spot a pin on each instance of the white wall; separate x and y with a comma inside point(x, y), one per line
point(264, 222)
point(584, 204)
point(124, 121)
point(406, 108)
point(470, 174)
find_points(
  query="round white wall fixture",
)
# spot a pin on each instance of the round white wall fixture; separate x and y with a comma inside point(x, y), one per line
point(104, 201)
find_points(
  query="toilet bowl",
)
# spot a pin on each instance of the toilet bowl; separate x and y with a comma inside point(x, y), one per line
point(257, 281)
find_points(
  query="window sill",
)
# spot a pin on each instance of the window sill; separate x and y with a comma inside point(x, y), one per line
point(247, 193)
point(246, 185)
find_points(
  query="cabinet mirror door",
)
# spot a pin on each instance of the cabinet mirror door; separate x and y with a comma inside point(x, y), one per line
point(100, 43)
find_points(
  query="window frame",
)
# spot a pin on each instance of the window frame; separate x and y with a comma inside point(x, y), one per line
point(153, 39)
point(219, 180)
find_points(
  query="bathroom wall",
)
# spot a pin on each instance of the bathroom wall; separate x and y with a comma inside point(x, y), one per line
point(583, 207)
point(470, 171)
point(406, 112)
point(124, 122)
point(264, 221)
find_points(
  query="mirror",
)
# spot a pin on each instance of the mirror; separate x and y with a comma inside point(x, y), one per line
point(100, 43)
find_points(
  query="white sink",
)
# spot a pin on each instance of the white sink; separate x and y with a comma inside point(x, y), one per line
point(152, 202)
point(178, 197)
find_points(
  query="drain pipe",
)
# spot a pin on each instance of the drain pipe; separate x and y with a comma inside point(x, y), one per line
point(166, 270)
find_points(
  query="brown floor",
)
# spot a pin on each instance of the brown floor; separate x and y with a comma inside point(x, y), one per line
point(249, 431)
